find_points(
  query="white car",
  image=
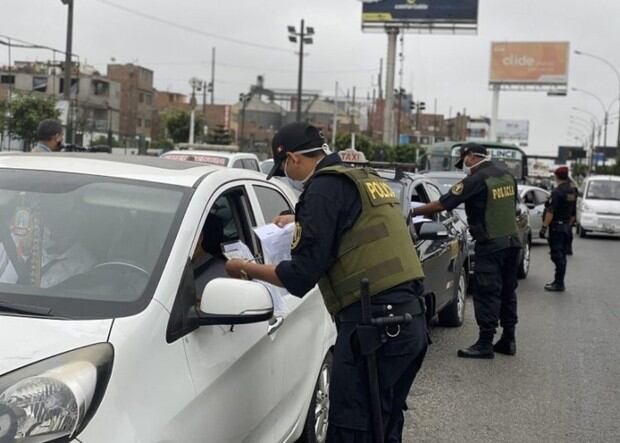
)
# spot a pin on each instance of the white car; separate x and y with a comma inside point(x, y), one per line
point(102, 336)
point(534, 198)
point(238, 160)
point(598, 209)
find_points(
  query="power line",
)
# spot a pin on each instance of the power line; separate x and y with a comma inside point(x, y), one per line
point(193, 30)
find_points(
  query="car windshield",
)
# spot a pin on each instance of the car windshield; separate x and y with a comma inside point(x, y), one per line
point(83, 246)
point(446, 183)
point(200, 158)
point(603, 190)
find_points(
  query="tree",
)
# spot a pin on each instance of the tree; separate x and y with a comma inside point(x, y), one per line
point(177, 125)
point(27, 111)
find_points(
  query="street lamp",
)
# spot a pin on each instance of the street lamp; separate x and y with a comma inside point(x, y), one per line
point(605, 109)
point(305, 38)
point(67, 76)
point(617, 72)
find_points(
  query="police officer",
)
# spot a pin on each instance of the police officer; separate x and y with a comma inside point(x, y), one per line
point(573, 222)
point(560, 212)
point(49, 135)
point(348, 227)
point(489, 193)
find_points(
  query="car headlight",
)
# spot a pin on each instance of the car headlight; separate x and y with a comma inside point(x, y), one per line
point(54, 398)
point(586, 208)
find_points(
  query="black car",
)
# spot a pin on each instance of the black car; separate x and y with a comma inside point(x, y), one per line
point(441, 246)
point(447, 179)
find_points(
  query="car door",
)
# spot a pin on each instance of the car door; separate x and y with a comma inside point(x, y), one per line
point(232, 367)
point(536, 215)
point(298, 334)
point(448, 248)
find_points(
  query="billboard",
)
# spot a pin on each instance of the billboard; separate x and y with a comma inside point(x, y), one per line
point(418, 13)
point(529, 63)
point(513, 130)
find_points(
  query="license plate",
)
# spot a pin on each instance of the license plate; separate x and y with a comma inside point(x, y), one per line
point(609, 228)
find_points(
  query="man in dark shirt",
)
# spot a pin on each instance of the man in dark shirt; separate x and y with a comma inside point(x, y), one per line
point(490, 195)
point(349, 228)
point(560, 212)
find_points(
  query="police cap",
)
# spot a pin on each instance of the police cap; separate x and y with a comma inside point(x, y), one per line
point(470, 148)
point(292, 138)
point(561, 172)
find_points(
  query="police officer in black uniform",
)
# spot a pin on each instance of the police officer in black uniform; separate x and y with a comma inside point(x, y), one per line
point(560, 212)
point(489, 193)
point(349, 227)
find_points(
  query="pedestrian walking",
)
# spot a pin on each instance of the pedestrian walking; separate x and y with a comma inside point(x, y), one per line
point(349, 228)
point(490, 196)
point(49, 136)
point(559, 217)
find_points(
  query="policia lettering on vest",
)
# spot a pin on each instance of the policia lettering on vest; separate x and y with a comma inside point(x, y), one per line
point(489, 193)
point(350, 228)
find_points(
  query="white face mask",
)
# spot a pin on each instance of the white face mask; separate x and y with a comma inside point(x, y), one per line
point(467, 169)
point(299, 184)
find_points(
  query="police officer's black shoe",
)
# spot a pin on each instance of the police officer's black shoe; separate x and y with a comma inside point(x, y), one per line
point(477, 350)
point(505, 346)
point(554, 287)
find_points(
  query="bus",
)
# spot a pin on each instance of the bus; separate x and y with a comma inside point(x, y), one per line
point(443, 156)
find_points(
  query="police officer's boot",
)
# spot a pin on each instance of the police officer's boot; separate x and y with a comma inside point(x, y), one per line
point(555, 287)
point(483, 348)
point(506, 345)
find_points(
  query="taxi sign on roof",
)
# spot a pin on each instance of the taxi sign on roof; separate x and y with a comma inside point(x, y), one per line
point(352, 156)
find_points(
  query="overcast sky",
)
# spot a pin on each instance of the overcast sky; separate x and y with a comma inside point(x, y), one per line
point(452, 69)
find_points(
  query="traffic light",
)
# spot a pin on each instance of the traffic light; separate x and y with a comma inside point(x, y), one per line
point(421, 106)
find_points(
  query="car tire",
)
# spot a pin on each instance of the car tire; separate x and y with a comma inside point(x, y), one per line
point(315, 427)
point(524, 264)
point(453, 315)
point(582, 232)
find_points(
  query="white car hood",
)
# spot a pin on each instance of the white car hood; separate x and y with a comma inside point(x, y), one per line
point(26, 340)
point(604, 206)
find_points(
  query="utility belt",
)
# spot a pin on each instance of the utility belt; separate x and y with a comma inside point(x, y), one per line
point(353, 313)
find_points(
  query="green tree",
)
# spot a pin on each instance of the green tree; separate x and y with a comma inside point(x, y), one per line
point(177, 124)
point(27, 111)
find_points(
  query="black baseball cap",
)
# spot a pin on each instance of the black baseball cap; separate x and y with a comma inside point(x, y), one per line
point(292, 138)
point(470, 148)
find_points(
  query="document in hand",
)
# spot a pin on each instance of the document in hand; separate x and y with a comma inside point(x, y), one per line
point(418, 218)
point(276, 242)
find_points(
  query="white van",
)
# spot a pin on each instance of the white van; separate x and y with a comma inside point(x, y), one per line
point(598, 209)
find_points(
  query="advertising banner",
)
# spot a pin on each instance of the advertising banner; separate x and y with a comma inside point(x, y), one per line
point(421, 12)
point(529, 63)
point(513, 130)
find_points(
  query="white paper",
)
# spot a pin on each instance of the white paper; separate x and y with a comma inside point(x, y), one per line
point(418, 218)
point(8, 274)
point(276, 242)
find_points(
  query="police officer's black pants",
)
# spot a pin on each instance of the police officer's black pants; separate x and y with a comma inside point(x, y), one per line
point(398, 361)
point(495, 294)
point(559, 242)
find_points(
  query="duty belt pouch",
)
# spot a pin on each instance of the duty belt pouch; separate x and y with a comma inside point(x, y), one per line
point(478, 233)
point(369, 339)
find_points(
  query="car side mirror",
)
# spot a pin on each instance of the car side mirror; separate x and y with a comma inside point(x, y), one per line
point(227, 301)
point(432, 231)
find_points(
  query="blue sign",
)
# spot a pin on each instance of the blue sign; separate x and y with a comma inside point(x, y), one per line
point(420, 11)
point(404, 139)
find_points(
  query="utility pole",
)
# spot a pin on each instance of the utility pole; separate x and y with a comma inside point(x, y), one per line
point(380, 81)
point(352, 122)
point(212, 84)
point(388, 111)
point(204, 98)
point(67, 77)
point(335, 124)
point(195, 84)
point(305, 38)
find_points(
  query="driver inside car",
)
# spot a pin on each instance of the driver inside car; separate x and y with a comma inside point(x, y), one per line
point(39, 248)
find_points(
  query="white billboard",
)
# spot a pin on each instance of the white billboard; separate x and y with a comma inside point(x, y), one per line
point(513, 130)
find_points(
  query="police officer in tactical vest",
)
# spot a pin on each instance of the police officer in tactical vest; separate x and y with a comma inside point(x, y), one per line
point(349, 227)
point(559, 216)
point(490, 195)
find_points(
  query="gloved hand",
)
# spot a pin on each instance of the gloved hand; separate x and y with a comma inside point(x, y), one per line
point(543, 232)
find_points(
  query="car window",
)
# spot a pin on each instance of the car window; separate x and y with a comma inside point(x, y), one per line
point(238, 164)
point(603, 190)
point(251, 164)
point(541, 197)
point(419, 194)
point(271, 202)
point(434, 194)
point(84, 246)
point(528, 198)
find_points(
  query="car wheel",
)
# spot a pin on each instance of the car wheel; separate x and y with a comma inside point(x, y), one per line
point(315, 428)
point(582, 232)
point(524, 266)
point(453, 315)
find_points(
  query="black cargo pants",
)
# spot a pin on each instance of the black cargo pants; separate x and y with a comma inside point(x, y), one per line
point(495, 294)
point(559, 243)
point(398, 360)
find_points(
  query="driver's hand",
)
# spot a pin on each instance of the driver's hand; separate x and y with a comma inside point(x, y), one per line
point(234, 268)
point(283, 220)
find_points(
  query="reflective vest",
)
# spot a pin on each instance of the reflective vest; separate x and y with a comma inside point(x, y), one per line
point(500, 218)
point(378, 246)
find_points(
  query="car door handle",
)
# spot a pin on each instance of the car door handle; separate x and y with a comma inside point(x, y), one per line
point(274, 324)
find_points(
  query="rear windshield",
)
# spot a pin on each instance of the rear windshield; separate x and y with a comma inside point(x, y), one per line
point(83, 246)
point(603, 190)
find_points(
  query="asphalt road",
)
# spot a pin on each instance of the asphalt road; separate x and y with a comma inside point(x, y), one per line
point(564, 383)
